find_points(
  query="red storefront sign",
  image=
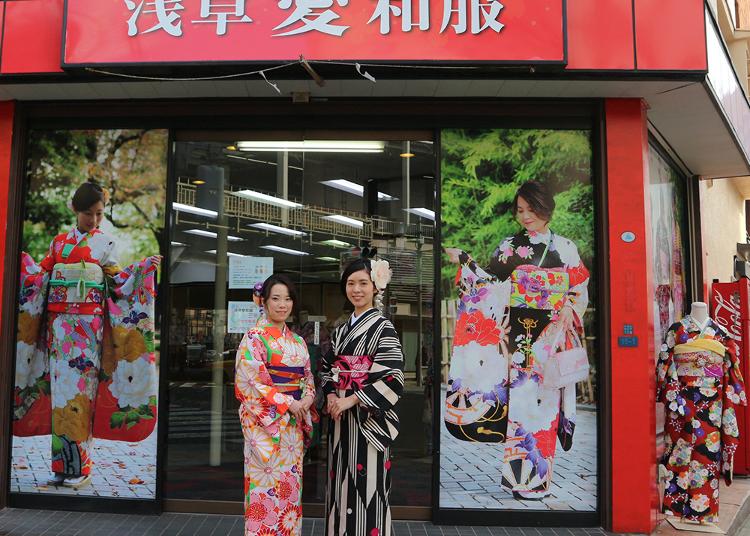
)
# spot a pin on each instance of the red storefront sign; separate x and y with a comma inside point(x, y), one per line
point(112, 32)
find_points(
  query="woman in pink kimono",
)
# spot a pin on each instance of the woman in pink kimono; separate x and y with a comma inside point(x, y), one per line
point(276, 390)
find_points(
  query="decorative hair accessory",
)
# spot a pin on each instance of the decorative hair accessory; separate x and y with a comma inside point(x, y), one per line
point(380, 273)
point(258, 294)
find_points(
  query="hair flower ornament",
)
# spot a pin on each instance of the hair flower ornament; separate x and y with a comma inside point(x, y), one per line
point(380, 273)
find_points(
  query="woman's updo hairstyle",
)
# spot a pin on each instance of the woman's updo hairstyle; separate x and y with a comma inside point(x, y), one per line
point(538, 198)
point(89, 194)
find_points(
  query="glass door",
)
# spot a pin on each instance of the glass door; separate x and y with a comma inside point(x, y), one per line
point(302, 204)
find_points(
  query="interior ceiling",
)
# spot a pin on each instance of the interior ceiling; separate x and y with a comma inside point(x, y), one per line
point(683, 112)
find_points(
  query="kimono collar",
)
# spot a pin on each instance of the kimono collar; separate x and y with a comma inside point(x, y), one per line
point(539, 238)
point(275, 332)
point(700, 325)
point(354, 319)
point(78, 236)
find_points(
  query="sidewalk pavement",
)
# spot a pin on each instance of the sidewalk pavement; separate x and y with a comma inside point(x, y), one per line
point(19, 522)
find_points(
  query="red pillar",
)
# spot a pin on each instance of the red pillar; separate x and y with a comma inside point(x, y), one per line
point(7, 115)
point(633, 463)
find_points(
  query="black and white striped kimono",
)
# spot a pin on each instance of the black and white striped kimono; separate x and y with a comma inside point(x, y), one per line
point(359, 443)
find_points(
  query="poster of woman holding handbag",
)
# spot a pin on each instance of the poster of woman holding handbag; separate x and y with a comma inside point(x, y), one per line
point(517, 350)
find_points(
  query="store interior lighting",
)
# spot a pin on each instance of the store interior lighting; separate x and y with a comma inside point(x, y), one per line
point(229, 253)
point(314, 146)
point(345, 220)
point(423, 212)
point(354, 188)
point(268, 199)
point(277, 229)
point(288, 251)
point(336, 243)
point(194, 210)
point(209, 234)
point(327, 259)
point(178, 244)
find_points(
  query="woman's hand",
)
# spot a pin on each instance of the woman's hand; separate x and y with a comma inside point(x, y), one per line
point(453, 254)
point(155, 259)
point(307, 403)
point(330, 400)
point(297, 409)
point(566, 319)
point(340, 405)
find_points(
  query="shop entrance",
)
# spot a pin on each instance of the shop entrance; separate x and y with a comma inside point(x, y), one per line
point(245, 205)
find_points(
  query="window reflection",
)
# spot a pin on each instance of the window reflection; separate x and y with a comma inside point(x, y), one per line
point(244, 209)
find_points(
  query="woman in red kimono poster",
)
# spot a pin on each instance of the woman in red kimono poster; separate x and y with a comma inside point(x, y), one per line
point(85, 362)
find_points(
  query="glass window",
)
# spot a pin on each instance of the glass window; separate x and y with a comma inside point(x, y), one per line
point(247, 206)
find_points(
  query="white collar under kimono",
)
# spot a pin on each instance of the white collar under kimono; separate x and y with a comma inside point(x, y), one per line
point(79, 236)
point(540, 238)
point(354, 317)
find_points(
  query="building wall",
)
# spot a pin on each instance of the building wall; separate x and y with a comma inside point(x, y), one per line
point(722, 226)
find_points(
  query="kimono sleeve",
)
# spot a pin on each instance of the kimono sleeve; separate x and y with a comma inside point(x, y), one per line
point(326, 363)
point(382, 392)
point(253, 386)
point(667, 382)
point(578, 276)
point(48, 262)
point(733, 397)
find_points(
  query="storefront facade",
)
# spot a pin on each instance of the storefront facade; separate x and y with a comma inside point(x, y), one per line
point(292, 171)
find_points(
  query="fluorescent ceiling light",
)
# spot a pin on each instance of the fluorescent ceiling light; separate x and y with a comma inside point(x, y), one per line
point(248, 159)
point(265, 198)
point(178, 244)
point(209, 234)
point(285, 250)
point(314, 146)
point(327, 259)
point(344, 220)
point(424, 212)
point(336, 243)
point(276, 229)
point(195, 210)
point(354, 188)
point(229, 253)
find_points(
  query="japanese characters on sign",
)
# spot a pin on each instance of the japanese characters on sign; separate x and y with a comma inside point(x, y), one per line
point(145, 31)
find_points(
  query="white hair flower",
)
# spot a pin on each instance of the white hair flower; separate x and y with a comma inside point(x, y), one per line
point(380, 273)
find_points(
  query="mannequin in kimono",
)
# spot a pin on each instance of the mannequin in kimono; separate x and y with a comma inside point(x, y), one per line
point(91, 371)
point(699, 381)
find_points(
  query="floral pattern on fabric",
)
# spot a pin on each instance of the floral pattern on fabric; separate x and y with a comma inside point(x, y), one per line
point(72, 381)
point(496, 387)
point(268, 365)
point(701, 390)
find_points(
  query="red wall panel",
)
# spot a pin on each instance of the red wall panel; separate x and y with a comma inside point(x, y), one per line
point(633, 464)
point(32, 39)
point(670, 35)
point(600, 34)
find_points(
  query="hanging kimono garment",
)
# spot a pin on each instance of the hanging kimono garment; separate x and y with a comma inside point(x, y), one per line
point(365, 360)
point(273, 370)
point(699, 381)
point(88, 369)
point(505, 333)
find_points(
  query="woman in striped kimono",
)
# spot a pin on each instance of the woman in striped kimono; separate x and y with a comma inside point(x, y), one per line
point(362, 377)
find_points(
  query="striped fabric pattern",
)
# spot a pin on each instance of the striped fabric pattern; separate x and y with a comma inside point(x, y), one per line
point(359, 444)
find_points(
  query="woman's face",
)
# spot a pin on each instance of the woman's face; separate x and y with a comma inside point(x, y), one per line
point(528, 218)
point(279, 304)
point(360, 290)
point(89, 219)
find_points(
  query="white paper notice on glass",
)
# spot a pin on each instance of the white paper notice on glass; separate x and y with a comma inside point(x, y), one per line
point(241, 316)
point(244, 272)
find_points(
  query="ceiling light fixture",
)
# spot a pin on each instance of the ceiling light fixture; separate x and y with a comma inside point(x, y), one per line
point(345, 220)
point(336, 243)
point(286, 250)
point(314, 146)
point(407, 155)
point(268, 199)
point(354, 188)
point(327, 259)
point(199, 182)
point(194, 210)
point(178, 244)
point(229, 253)
point(209, 234)
point(276, 229)
point(423, 212)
